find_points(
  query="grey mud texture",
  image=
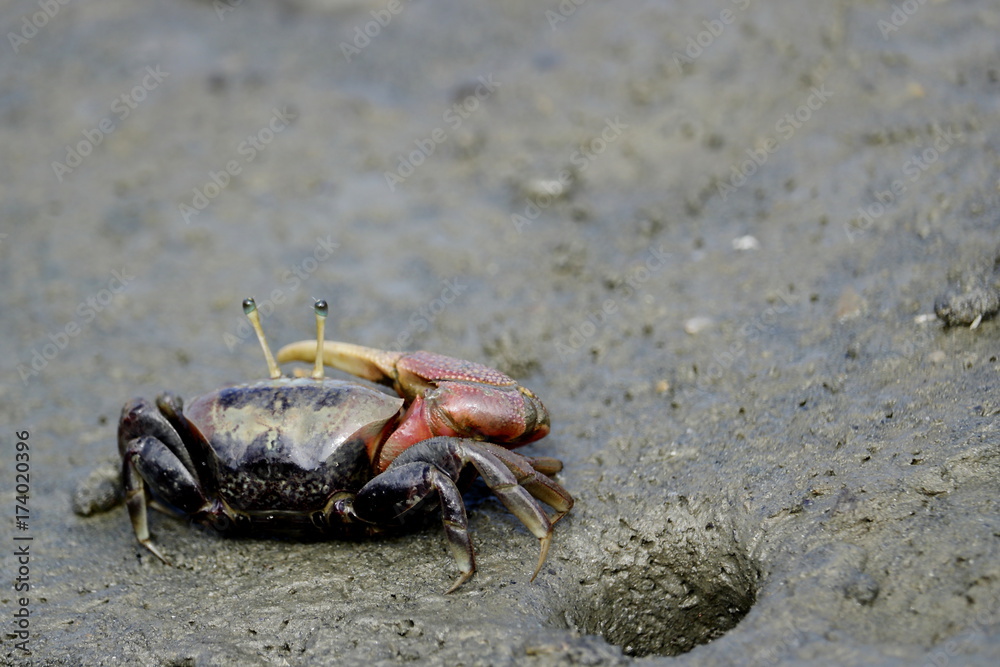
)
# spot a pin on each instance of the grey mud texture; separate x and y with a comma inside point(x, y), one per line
point(710, 236)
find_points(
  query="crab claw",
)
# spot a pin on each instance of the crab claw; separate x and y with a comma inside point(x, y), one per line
point(445, 396)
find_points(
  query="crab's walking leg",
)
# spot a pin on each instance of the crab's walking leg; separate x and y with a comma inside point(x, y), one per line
point(532, 474)
point(545, 464)
point(140, 417)
point(147, 460)
point(204, 463)
point(435, 465)
point(392, 494)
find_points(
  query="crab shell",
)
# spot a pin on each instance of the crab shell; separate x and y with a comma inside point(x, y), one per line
point(292, 442)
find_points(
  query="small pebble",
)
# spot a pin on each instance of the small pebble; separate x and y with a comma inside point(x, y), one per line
point(546, 187)
point(746, 243)
point(915, 90)
point(697, 324)
point(862, 588)
point(100, 491)
point(850, 305)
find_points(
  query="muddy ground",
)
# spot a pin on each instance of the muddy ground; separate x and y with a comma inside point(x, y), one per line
point(709, 235)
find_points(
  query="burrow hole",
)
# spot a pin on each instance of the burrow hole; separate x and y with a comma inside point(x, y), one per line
point(667, 584)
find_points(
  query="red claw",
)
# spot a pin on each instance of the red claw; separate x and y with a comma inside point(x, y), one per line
point(423, 367)
point(460, 398)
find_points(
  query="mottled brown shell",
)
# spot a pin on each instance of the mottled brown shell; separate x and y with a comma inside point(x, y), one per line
point(291, 442)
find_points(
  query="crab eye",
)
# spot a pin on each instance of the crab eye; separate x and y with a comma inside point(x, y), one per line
point(249, 305)
point(321, 308)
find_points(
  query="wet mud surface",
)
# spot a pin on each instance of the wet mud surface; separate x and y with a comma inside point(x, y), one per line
point(711, 237)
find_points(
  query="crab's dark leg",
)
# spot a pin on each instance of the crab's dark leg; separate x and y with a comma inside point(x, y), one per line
point(533, 475)
point(545, 464)
point(140, 417)
point(147, 461)
point(389, 496)
point(199, 455)
point(434, 466)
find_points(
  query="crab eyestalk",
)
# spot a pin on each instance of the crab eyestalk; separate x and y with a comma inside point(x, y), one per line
point(321, 311)
point(250, 308)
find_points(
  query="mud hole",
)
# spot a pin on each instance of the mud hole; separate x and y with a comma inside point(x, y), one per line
point(667, 591)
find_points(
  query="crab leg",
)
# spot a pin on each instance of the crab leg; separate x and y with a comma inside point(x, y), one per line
point(545, 464)
point(205, 462)
point(140, 417)
point(135, 500)
point(435, 465)
point(147, 459)
point(534, 481)
point(392, 494)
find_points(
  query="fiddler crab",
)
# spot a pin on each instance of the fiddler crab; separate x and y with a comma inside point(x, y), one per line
point(319, 456)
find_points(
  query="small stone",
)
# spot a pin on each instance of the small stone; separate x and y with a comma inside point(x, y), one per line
point(862, 588)
point(915, 90)
point(930, 483)
point(937, 357)
point(850, 305)
point(697, 324)
point(100, 491)
point(550, 189)
point(746, 243)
